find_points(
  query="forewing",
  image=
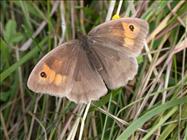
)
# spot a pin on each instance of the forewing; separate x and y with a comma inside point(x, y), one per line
point(54, 72)
point(124, 34)
point(117, 68)
point(87, 83)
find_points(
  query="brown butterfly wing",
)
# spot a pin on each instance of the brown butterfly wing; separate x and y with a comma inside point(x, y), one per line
point(88, 85)
point(66, 71)
point(124, 35)
point(54, 72)
point(117, 68)
point(116, 44)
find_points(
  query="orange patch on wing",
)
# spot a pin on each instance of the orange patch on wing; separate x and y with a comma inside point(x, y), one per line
point(129, 41)
point(49, 72)
point(58, 79)
point(127, 32)
point(52, 76)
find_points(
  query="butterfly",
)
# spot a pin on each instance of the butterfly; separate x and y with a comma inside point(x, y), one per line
point(84, 69)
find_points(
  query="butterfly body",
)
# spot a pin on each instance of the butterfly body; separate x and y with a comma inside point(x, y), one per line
point(83, 69)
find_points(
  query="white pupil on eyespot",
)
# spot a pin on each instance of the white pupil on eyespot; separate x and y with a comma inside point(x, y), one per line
point(131, 27)
point(43, 75)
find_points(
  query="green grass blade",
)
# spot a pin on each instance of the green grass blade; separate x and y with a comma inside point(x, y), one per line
point(24, 59)
point(139, 122)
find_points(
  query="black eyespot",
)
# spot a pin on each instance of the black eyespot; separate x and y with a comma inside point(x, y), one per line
point(131, 27)
point(43, 74)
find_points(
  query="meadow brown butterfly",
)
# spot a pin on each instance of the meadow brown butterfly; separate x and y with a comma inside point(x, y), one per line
point(83, 69)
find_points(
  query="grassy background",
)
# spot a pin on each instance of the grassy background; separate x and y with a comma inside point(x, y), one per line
point(152, 106)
